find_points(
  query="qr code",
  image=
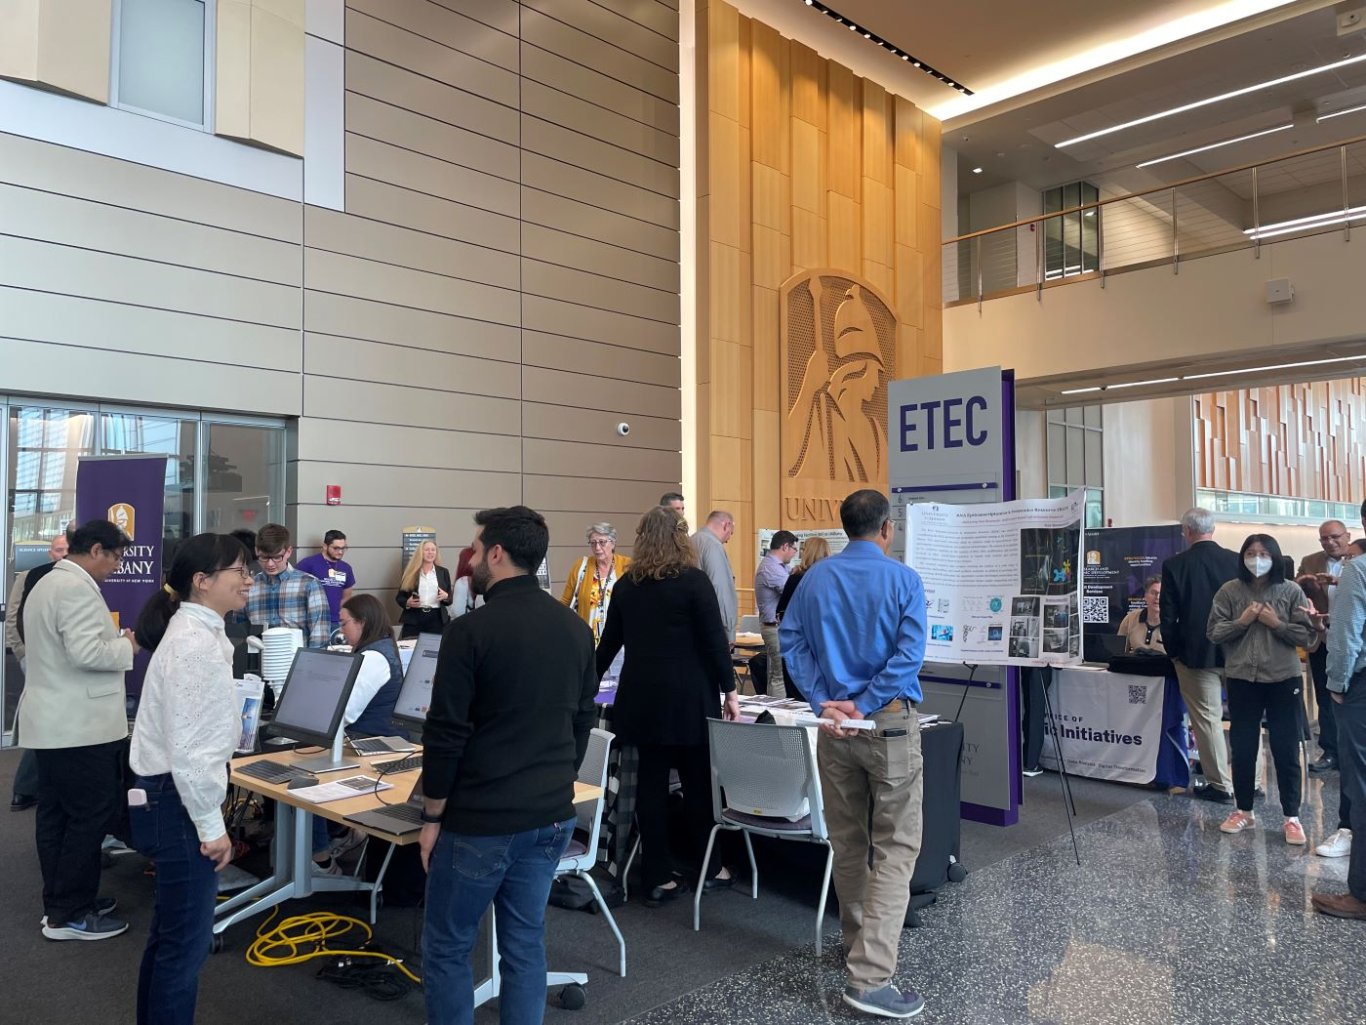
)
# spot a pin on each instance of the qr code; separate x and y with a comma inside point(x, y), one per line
point(1138, 694)
point(1095, 610)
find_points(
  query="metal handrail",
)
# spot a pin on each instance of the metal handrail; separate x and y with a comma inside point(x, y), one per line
point(1154, 190)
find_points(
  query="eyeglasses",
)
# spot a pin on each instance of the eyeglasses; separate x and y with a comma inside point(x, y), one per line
point(345, 622)
point(1325, 538)
point(271, 559)
point(239, 569)
point(599, 542)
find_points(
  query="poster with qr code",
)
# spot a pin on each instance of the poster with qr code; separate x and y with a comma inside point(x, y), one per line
point(1002, 581)
point(1119, 566)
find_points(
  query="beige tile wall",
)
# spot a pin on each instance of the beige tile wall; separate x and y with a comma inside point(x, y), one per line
point(501, 291)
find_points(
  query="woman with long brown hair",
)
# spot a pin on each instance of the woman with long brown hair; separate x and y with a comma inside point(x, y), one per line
point(676, 671)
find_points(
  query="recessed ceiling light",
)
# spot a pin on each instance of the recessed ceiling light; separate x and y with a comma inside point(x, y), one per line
point(1173, 111)
point(1140, 384)
point(1339, 113)
point(1311, 223)
point(1079, 391)
point(1215, 145)
point(976, 170)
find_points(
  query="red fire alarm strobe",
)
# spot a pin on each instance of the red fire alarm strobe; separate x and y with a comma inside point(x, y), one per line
point(334, 494)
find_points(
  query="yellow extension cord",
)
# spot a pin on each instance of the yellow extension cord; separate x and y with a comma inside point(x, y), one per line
point(304, 937)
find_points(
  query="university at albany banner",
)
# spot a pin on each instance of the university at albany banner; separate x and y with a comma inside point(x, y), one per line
point(130, 492)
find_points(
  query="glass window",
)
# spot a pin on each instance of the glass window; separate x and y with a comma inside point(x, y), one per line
point(1072, 241)
point(244, 477)
point(45, 444)
point(160, 49)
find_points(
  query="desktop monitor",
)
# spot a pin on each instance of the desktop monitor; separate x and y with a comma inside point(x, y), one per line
point(415, 696)
point(313, 703)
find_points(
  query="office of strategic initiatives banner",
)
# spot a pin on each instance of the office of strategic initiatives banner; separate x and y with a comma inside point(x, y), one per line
point(130, 492)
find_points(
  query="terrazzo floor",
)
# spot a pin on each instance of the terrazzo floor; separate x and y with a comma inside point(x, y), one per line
point(1166, 921)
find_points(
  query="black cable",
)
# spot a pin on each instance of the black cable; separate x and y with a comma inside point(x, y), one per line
point(378, 982)
point(964, 699)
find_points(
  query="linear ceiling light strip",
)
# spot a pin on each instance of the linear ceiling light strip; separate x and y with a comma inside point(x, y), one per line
point(891, 48)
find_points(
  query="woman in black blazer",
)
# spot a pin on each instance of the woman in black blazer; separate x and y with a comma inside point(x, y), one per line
point(424, 594)
point(677, 667)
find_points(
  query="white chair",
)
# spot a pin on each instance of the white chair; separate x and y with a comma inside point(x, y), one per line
point(580, 857)
point(772, 788)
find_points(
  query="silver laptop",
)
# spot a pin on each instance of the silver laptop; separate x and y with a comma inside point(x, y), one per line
point(381, 745)
point(398, 819)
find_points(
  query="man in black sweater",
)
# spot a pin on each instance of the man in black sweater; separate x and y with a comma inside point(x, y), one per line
point(511, 710)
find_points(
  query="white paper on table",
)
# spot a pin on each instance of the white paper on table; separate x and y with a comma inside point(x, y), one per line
point(250, 689)
point(340, 789)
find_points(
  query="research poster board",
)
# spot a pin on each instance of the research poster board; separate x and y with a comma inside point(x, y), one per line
point(1002, 581)
point(836, 538)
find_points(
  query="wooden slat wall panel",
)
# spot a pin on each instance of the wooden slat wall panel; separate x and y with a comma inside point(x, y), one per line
point(807, 166)
point(501, 290)
point(1293, 441)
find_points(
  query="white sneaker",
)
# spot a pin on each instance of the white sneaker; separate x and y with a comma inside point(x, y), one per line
point(347, 842)
point(1339, 845)
point(112, 845)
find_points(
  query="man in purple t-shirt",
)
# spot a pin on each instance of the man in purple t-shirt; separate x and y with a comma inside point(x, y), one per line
point(334, 574)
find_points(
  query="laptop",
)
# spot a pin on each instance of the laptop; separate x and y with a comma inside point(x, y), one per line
point(398, 819)
point(381, 745)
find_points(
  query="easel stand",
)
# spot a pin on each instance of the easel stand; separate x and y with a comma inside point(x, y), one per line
point(1069, 804)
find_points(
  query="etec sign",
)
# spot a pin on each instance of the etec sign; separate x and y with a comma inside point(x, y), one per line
point(944, 423)
point(946, 431)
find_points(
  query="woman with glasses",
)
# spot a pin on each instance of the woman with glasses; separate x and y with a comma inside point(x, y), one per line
point(424, 593)
point(370, 710)
point(187, 728)
point(588, 589)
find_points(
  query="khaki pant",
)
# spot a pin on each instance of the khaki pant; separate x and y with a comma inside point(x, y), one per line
point(774, 682)
point(1200, 689)
point(885, 773)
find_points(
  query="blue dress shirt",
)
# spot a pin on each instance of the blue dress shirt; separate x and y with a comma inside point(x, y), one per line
point(855, 630)
point(769, 580)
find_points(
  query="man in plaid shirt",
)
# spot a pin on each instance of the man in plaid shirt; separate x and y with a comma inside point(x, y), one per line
point(284, 596)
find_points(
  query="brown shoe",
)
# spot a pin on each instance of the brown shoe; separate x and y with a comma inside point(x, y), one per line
point(1339, 905)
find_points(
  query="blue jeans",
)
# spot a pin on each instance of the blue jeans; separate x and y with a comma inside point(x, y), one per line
point(466, 875)
point(1351, 723)
point(182, 920)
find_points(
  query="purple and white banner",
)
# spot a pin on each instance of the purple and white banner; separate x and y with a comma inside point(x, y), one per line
point(130, 492)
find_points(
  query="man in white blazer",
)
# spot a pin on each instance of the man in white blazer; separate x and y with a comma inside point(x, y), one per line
point(72, 714)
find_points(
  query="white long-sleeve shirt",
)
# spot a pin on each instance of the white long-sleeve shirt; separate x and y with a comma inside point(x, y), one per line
point(188, 720)
point(373, 675)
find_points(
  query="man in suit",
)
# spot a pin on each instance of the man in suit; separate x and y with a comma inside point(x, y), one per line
point(72, 715)
point(26, 776)
point(1189, 582)
point(1326, 567)
point(709, 544)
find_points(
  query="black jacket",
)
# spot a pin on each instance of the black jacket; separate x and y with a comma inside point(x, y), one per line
point(512, 706)
point(677, 658)
point(414, 617)
point(1189, 582)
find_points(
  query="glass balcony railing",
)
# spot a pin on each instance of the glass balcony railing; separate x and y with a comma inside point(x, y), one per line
point(1310, 192)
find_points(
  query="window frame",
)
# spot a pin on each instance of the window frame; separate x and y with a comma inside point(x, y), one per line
point(210, 69)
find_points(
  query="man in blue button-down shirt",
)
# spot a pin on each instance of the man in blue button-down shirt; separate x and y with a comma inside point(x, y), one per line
point(1346, 687)
point(854, 639)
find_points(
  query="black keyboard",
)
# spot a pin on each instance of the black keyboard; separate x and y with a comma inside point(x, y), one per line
point(403, 812)
point(271, 772)
point(398, 765)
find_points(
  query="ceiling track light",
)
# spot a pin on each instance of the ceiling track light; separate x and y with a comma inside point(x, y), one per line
point(1338, 113)
point(891, 48)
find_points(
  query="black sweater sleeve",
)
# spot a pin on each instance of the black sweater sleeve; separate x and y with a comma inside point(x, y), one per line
point(448, 727)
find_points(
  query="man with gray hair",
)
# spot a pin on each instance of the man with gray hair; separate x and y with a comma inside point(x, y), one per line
point(1189, 582)
point(709, 544)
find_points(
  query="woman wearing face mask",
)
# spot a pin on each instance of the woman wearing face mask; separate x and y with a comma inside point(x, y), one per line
point(1258, 620)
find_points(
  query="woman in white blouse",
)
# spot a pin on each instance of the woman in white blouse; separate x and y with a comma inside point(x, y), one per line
point(187, 728)
point(370, 711)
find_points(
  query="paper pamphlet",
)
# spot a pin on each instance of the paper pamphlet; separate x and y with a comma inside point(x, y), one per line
point(249, 692)
point(1002, 581)
point(336, 790)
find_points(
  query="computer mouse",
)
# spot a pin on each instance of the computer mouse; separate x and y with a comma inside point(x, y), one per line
point(299, 782)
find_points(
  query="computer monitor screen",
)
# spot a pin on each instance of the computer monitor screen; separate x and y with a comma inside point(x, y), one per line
point(315, 695)
point(415, 696)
